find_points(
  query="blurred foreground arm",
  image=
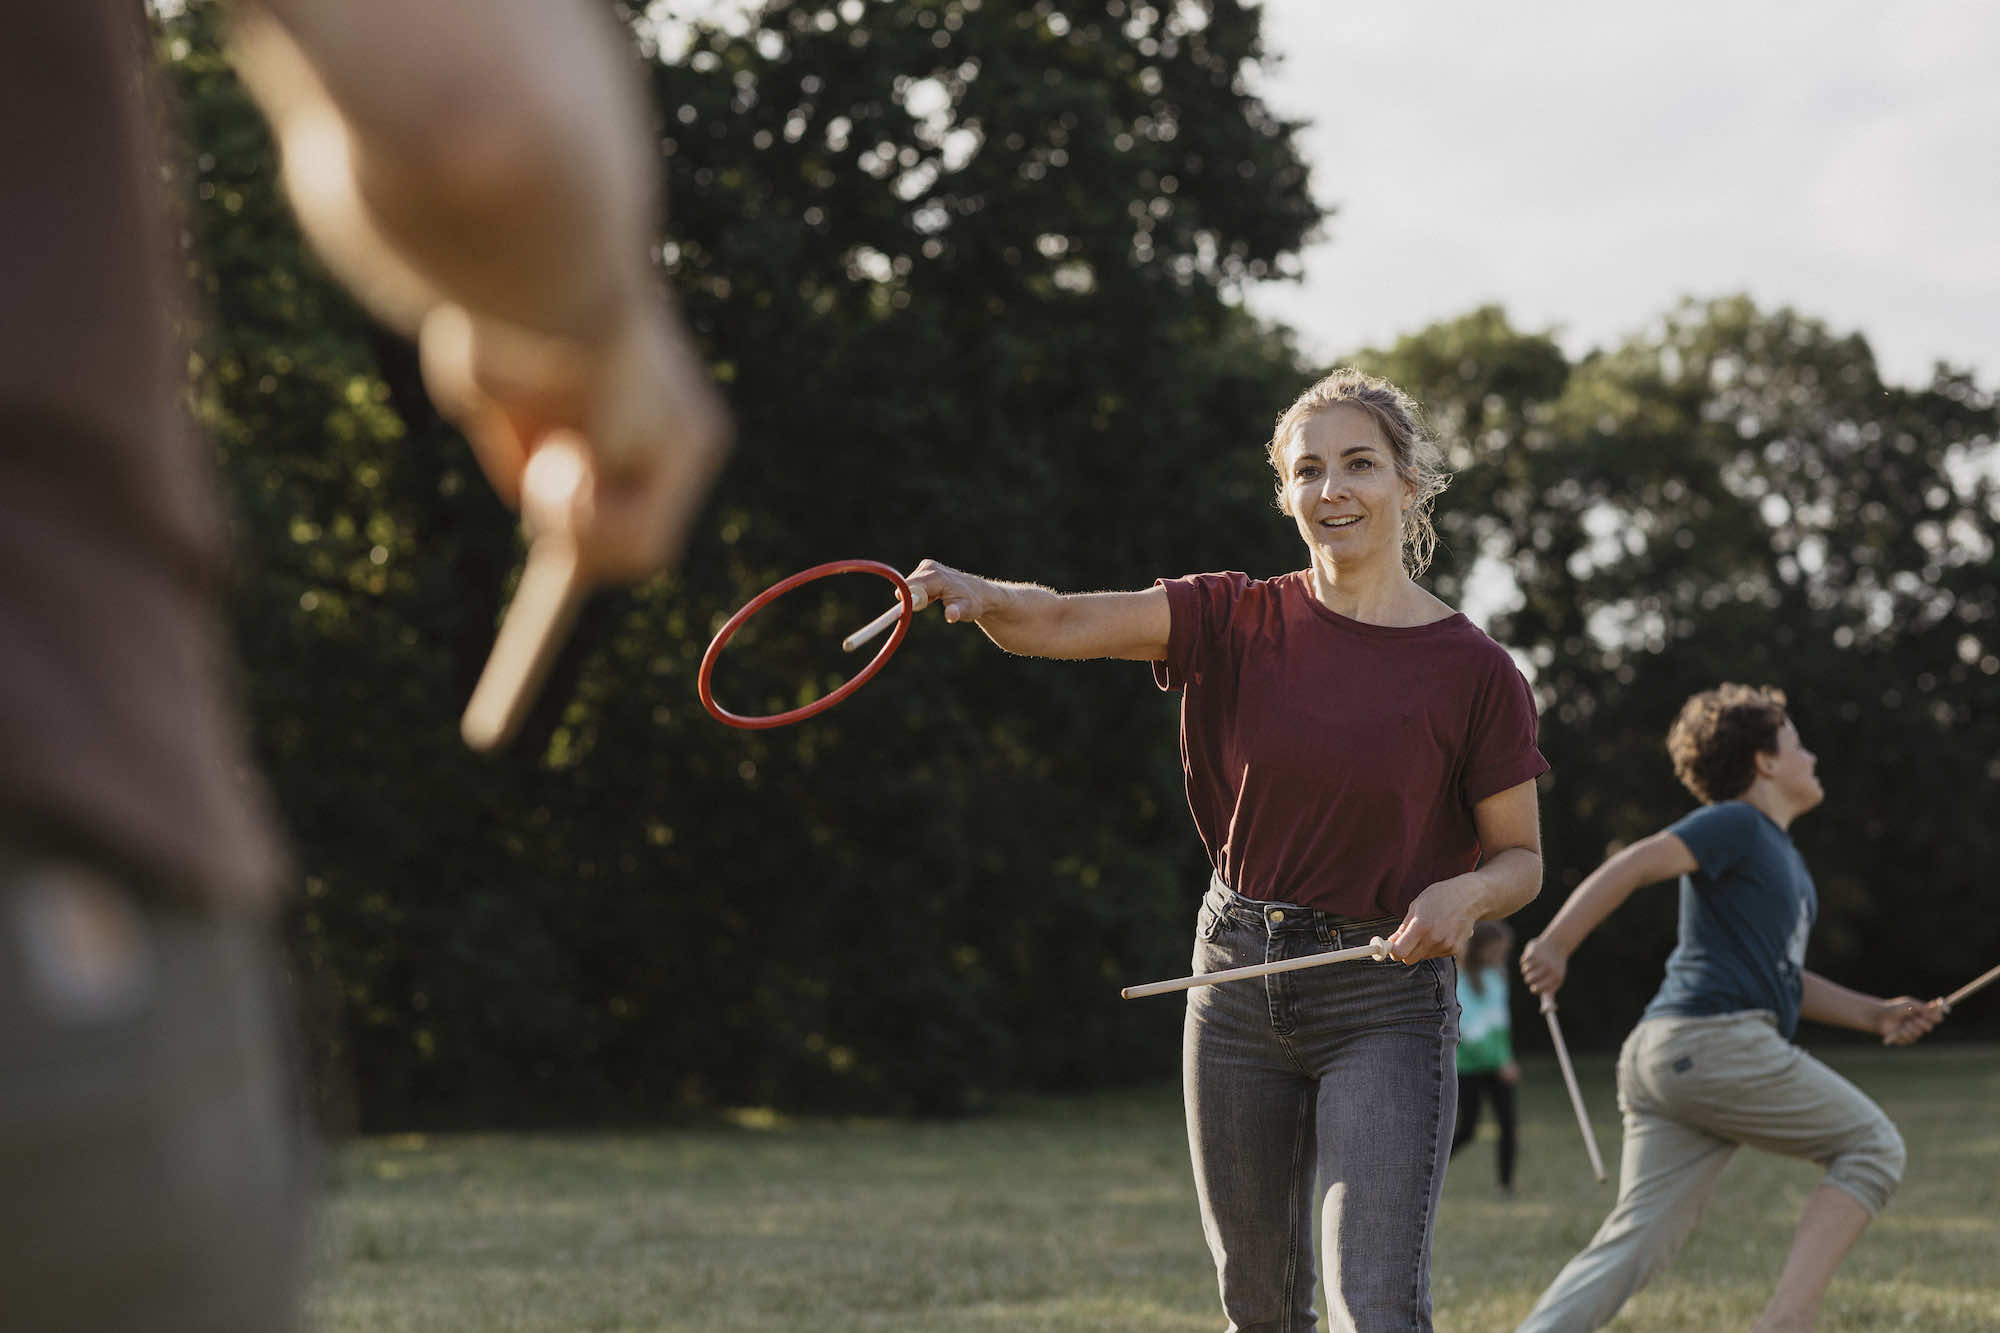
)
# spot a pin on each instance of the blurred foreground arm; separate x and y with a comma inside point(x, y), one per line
point(481, 174)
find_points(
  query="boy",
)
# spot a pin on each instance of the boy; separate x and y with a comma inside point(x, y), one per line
point(1711, 1065)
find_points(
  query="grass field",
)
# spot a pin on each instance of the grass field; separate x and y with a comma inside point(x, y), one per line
point(1072, 1215)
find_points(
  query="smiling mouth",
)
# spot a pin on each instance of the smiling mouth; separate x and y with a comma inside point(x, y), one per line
point(1345, 521)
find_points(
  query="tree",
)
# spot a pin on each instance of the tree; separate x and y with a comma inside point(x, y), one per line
point(1735, 495)
point(968, 274)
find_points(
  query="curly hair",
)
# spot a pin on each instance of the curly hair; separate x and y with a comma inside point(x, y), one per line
point(1419, 462)
point(1715, 741)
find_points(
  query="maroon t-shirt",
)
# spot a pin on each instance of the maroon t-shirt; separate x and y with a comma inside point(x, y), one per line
point(1335, 763)
point(119, 729)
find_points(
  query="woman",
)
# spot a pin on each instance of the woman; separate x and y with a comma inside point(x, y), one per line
point(1359, 759)
point(1486, 1068)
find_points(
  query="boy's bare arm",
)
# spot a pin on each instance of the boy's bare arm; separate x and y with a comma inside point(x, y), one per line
point(1545, 959)
point(1897, 1021)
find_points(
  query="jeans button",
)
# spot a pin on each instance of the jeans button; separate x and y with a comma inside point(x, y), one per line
point(1277, 917)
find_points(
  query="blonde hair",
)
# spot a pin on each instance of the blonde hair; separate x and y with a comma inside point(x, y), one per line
point(1419, 462)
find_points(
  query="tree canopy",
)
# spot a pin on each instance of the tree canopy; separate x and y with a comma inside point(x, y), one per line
point(1736, 495)
point(971, 275)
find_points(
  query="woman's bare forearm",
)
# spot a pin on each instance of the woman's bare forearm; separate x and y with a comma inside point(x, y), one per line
point(1506, 882)
point(1034, 621)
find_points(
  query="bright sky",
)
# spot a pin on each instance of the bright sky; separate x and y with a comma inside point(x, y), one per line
point(1587, 164)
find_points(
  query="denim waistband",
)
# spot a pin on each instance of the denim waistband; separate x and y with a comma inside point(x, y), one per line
point(1281, 918)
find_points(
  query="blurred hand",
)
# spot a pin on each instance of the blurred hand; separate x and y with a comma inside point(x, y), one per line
point(965, 596)
point(1544, 965)
point(1906, 1018)
point(607, 446)
point(1439, 922)
point(1510, 1072)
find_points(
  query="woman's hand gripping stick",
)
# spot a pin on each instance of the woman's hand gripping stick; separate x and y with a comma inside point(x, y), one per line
point(1376, 949)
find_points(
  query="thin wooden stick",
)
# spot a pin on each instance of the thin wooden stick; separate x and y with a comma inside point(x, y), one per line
point(1986, 980)
point(531, 635)
point(882, 622)
point(1569, 1077)
point(1377, 949)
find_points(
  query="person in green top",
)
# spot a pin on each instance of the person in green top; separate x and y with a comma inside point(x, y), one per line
point(1486, 1068)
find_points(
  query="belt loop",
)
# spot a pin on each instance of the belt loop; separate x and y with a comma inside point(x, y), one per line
point(1218, 896)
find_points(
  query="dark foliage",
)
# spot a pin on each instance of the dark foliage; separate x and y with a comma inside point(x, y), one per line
point(968, 274)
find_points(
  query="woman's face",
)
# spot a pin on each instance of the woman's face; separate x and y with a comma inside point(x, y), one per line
point(1341, 487)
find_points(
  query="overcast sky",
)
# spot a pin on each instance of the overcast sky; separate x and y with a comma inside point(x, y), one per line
point(1587, 164)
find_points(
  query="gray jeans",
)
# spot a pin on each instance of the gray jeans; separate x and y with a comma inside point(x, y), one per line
point(1692, 1091)
point(1331, 1092)
point(151, 1161)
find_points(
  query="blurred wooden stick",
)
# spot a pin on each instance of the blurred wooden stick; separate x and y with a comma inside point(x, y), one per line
point(1377, 949)
point(531, 636)
point(1569, 1077)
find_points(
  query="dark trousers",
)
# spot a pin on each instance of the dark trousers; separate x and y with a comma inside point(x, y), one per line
point(152, 1161)
point(1473, 1089)
point(1319, 1094)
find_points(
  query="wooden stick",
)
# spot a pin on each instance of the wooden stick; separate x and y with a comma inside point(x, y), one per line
point(875, 627)
point(1986, 980)
point(1377, 949)
point(1569, 1077)
point(531, 636)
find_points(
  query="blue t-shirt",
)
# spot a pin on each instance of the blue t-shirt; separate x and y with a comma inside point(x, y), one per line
point(1745, 916)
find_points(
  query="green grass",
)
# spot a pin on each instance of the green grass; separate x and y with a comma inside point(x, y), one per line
point(1077, 1215)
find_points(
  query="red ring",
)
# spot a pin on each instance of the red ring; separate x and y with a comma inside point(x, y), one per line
point(772, 594)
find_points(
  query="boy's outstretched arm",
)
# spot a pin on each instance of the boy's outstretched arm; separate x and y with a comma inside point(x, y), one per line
point(1545, 959)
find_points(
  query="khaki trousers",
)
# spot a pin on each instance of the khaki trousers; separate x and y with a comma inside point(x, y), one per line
point(1692, 1091)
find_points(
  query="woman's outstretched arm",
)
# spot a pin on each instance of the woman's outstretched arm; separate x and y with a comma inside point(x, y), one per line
point(1034, 621)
